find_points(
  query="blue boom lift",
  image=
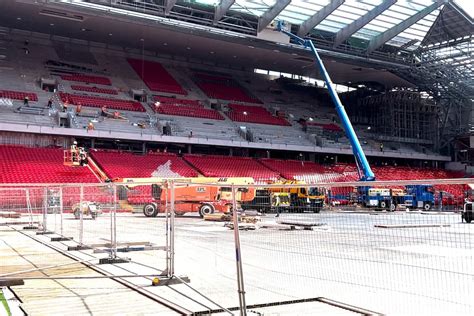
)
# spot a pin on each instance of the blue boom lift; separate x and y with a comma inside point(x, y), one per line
point(416, 193)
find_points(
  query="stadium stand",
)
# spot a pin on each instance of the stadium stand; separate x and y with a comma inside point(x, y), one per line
point(124, 105)
point(155, 76)
point(94, 89)
point(222, 166)
point(87, 79)
point(253, 114)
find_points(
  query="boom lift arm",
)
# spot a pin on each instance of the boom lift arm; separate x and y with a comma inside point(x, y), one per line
point(363, 167)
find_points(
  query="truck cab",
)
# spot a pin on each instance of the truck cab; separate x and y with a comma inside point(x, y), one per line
point(419, 196)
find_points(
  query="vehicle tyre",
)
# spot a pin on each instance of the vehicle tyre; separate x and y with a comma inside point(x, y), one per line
point(317, 209)
point(150, 210)
point(179, 213)
point(94, 215)
point(427, 206)
point(393, 207)
point(77, 213)
point(383, 204)
point(468, 217)
point(206, 209)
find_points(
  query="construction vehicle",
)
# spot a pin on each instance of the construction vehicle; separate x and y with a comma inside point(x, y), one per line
point(266, 201)
point(378, 198)
point(467, 213)
point(419, 195)
point(91, 209)
point(202, 195)
point(302, 198)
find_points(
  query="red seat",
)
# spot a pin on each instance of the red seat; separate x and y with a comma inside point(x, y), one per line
point(190, 111)
point(254, 114)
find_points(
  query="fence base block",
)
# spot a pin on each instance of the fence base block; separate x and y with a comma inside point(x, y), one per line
point(44, 233)
point(76, 248)
point(11, 282)
point(113, 260)
point(61, 238)
point(164, 280)
point(30, 227)
point(129, 249)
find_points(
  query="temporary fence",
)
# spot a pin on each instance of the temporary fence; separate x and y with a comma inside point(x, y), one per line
point(294, 249)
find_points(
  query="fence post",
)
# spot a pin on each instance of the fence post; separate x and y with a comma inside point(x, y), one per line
point(81, 215)
point(238, 256)
point(45, 210)
point(114, 211)
point(61, 210)
point(28, 205)
point(171, 237)
point(167, 227)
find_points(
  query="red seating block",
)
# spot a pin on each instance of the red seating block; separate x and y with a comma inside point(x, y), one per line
point(39, 165)
point(129, 165)
point(124, 105)
point(18, 95)
point(254, 114)
point(94, 89)
point(175, 101)
point(222, 166)
point(155, 76)
point(88, 79)
point(224, 88)
point(190, 111)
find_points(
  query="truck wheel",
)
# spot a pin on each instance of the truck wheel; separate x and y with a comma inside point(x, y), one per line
point(179, 213)
point(150, 210)
point(317, 209)
point(77, 213)
point(206, 209)
point(383, 204)
point(468, 217)
point(94, 215)
point(427, 206)
point(392, 207)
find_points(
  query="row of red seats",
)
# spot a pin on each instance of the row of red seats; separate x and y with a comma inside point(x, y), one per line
point(124, 105)
point(94, 89)
point(18, 95)
point(254, 114)
point(155, 76)
point(175, 101)
point(222, 166)
point(129, 165)
point(88, 79)
point(190, 111)
point(39, 165)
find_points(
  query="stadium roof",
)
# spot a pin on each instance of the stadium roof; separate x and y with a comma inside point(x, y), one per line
point(397, 23)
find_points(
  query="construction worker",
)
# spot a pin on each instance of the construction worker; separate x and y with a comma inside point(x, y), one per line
point(78, 108)
point(26, 101)
point(65, 106)
point(82, 156)
point(277, 205)
point(90, 126)
point(74, 152)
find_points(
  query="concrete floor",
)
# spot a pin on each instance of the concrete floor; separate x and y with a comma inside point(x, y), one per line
point(396, 271)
